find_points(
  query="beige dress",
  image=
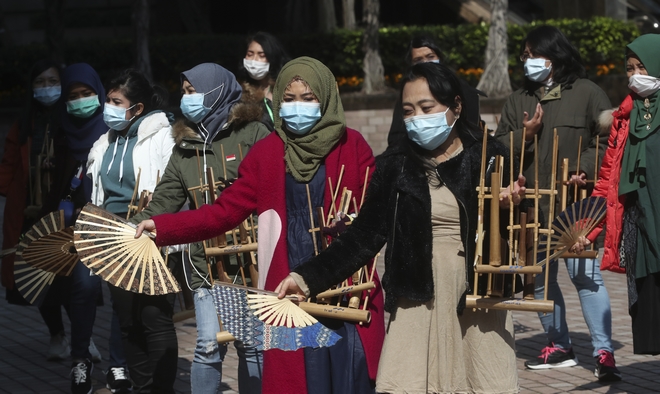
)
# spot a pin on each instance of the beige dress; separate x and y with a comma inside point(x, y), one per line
point(428, 347)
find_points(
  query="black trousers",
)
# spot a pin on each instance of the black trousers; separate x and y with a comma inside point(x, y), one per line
point(149, 339)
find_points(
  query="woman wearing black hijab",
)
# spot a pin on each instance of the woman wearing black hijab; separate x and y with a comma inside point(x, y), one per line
point(82, 123)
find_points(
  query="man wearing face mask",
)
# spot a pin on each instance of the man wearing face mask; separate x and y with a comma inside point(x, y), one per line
point(219, 128)
point(628, 180)
point(557, 96)
point(423, 49)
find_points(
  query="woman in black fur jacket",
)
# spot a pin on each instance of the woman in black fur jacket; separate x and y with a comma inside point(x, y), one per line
point(422, 202)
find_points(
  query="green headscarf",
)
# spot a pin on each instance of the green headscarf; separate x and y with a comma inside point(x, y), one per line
point(304, 153)
point(633, 164)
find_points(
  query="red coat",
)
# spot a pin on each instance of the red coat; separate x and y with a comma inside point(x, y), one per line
point(260, 187)
point(608, 187)
point(14, 172)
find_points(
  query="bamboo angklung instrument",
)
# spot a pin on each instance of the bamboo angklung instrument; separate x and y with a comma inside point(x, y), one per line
point(522, 264)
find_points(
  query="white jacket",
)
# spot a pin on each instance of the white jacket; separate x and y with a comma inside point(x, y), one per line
point(151, 154)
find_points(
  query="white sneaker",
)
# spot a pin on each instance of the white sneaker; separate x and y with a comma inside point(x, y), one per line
point(94, 352)
point(59, 348)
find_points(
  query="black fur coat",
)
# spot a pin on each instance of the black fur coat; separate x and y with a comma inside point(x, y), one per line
point(397, 211)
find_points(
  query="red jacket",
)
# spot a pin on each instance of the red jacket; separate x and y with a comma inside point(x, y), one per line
point(608, 187)
point(14, 172)
point(260, 187)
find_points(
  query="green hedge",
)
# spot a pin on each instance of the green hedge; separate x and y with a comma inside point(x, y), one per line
point(601, 42)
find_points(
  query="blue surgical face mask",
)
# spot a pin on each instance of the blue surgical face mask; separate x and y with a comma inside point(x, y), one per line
point(192, 105)
point(535, 69)
point(429, 131)
point(115, 117)
point(299, 116)
point(48, 96)
point(83, 107)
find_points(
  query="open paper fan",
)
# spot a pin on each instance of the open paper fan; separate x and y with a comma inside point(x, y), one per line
point(578, 220)
point(107, 245)
point(45, 251)
point(236, 309)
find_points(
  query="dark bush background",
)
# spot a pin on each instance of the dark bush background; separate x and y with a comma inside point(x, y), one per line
point(601, 42)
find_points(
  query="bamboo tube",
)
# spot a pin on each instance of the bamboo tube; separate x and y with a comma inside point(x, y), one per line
point(131, 206)
point(333, 208)
point(577, 169)
point(511, 205)
point(346, 289)
point(364, 187)
point(311, 219)
point(478, 256)
point(508, 269)
point(509, 304)
point(222, 160)
point(495, 251)
point(564, 186)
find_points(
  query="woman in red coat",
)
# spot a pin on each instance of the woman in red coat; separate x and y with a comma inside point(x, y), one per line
point(628, 180)
point(311, 144)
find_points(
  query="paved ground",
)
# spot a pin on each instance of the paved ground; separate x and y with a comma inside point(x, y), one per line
point(24, 339)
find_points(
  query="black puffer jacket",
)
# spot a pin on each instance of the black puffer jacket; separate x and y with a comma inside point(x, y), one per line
point(397, 211)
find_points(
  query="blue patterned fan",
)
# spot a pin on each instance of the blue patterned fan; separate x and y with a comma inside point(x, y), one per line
point(578, 220)
point(264, 321)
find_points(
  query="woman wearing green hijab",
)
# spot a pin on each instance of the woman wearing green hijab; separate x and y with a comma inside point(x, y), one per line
point(630, 180)
point(311, 149)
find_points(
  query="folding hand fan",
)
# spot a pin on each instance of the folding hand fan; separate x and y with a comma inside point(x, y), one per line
point(264, 321)
point(578, 220)
point(46, 250)
point(107, 245)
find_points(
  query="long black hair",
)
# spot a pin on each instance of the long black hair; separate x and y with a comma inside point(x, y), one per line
point(552, 44)
point(31, 104)
point(445, 87)
point(137, 89)
point(274, 51)
point(421, 42)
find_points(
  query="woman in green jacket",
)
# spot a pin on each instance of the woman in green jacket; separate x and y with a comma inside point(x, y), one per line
point(557, 96)
point(220, 127)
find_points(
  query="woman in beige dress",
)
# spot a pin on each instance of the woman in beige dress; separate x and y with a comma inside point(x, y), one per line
point(422, 202)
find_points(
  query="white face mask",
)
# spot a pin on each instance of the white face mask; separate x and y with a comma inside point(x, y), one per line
point(643, 85)
point(256, 69)
point(536, 70)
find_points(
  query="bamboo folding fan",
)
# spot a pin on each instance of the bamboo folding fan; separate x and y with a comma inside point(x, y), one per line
point(578, 220)
point(266, 322)
point(45, 251)
point(107, 245)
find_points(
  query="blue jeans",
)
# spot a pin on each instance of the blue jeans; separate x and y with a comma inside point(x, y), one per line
point(594, 299)
point(85, 290)
point(206, 370)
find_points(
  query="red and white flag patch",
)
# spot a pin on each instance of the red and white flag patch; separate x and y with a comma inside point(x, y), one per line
point(230, 157)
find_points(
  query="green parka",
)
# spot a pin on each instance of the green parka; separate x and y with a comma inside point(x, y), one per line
point(183, 170)
point(573, 110)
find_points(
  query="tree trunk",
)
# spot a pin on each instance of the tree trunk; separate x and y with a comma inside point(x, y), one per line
point(55, 29)
point(327, 17)
point(348, 10)
point(495, 80)
point(374, 73)
point(141, 31)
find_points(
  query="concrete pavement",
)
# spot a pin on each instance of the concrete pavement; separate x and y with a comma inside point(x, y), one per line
point(24, 340)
